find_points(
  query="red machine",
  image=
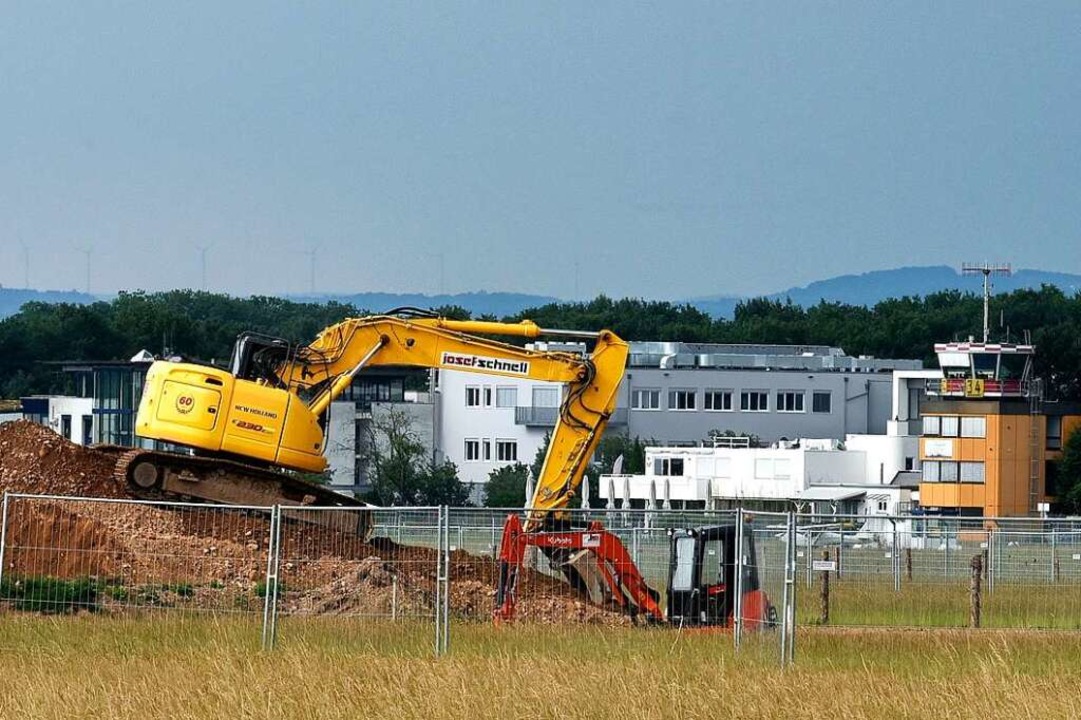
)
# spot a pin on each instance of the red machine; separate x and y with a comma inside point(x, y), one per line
point(701, 574)
point(594, 561)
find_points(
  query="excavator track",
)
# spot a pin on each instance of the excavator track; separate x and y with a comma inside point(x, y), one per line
point(157, 475)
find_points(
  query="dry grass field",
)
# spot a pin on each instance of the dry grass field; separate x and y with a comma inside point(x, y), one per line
point(95, 667)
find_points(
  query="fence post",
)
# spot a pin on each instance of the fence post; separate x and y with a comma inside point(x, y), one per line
point(895, 559)
point(446, 583)
point(974, 591)
point(737, 618)
point(3, 536)
point(270, 599)
point(788, 607)
point(946, 553)
point(1054, 556)
point(840, 552)
point(824, 593)
point(908, 560)
point(808, 548)
point(438, 605)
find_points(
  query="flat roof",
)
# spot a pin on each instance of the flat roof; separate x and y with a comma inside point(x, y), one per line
point(832, 493)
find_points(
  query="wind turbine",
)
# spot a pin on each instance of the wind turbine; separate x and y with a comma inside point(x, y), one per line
point(88, 251)
point(26, 264)
point(202, 265)
point(311, 253)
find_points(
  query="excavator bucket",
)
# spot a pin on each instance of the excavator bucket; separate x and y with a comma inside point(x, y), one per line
point(594, 561)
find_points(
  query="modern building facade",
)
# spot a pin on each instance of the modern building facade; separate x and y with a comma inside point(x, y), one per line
point(864, 475)
point(989, 441)
point(677, 393)
point(71, 417)
point(102, 409)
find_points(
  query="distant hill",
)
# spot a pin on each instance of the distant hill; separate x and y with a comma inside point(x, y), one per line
point(477, 303)
point(873, 287)
point(12, 299)
point(864, 289)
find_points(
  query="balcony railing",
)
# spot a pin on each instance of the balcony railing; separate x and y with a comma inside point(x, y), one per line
point(531, 416)
point(977, 388)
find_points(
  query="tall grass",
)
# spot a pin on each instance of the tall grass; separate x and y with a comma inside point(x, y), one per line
point(75, 667)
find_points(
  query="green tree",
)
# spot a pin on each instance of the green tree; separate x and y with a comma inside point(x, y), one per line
point(506, 486)
point(394, 455)
point(401, 472)
point(439, 485)
point(615, 445)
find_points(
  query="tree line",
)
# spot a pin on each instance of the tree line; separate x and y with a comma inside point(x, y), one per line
point(203, 326)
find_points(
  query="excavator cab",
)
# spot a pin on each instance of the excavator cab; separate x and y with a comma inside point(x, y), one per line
point(702, 579)
point(258, 357)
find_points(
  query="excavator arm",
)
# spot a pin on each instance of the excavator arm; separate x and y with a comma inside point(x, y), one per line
point(327, 366)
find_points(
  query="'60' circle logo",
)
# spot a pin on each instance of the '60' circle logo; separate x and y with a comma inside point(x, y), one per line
point(184, 404)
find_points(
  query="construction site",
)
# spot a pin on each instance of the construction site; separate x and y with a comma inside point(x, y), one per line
point(216, 559)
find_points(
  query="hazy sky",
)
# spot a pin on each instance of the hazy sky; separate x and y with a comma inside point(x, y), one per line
point(661, 151)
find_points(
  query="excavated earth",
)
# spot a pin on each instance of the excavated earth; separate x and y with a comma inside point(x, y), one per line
point(215, 558)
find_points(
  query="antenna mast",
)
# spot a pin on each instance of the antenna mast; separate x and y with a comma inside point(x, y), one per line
point(987, 270)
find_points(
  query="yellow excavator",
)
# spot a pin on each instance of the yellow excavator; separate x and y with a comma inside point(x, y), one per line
point(242, 430)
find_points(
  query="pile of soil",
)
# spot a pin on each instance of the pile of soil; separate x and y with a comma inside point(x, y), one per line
point(215, 557)
point(34, 459)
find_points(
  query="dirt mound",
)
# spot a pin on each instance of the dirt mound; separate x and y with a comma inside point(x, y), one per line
point(34, 459)
point(207, 556)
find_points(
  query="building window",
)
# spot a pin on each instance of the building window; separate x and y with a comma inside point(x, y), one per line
point(932, 425)
point(1054, 432)
point(931, 471)
point(822, 402)
point(472, 396)
point(506, 396)
point(973, 427)
point(487, 396)
point(682, 399)
point(972, 472)
point(506, 450)
point(949, 472)
point(472, 450)
point(883, 506)
point(910, 463)
point(754, 401)
point(789, 401)
point(668, 466)
point(646, 399)
point(487, 447)
point(718, 400)
point(545, 396)
point(950, 426)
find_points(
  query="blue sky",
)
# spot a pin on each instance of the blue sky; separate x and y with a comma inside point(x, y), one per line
point(663, 151)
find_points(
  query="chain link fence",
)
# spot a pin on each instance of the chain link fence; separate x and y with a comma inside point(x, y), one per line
point(129, 559)
point(407, 576)
point(930, 571)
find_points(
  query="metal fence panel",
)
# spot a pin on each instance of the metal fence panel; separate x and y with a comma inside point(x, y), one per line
point(387, 586)
point(129, 559)
point(764, 571)
point(918, 571)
